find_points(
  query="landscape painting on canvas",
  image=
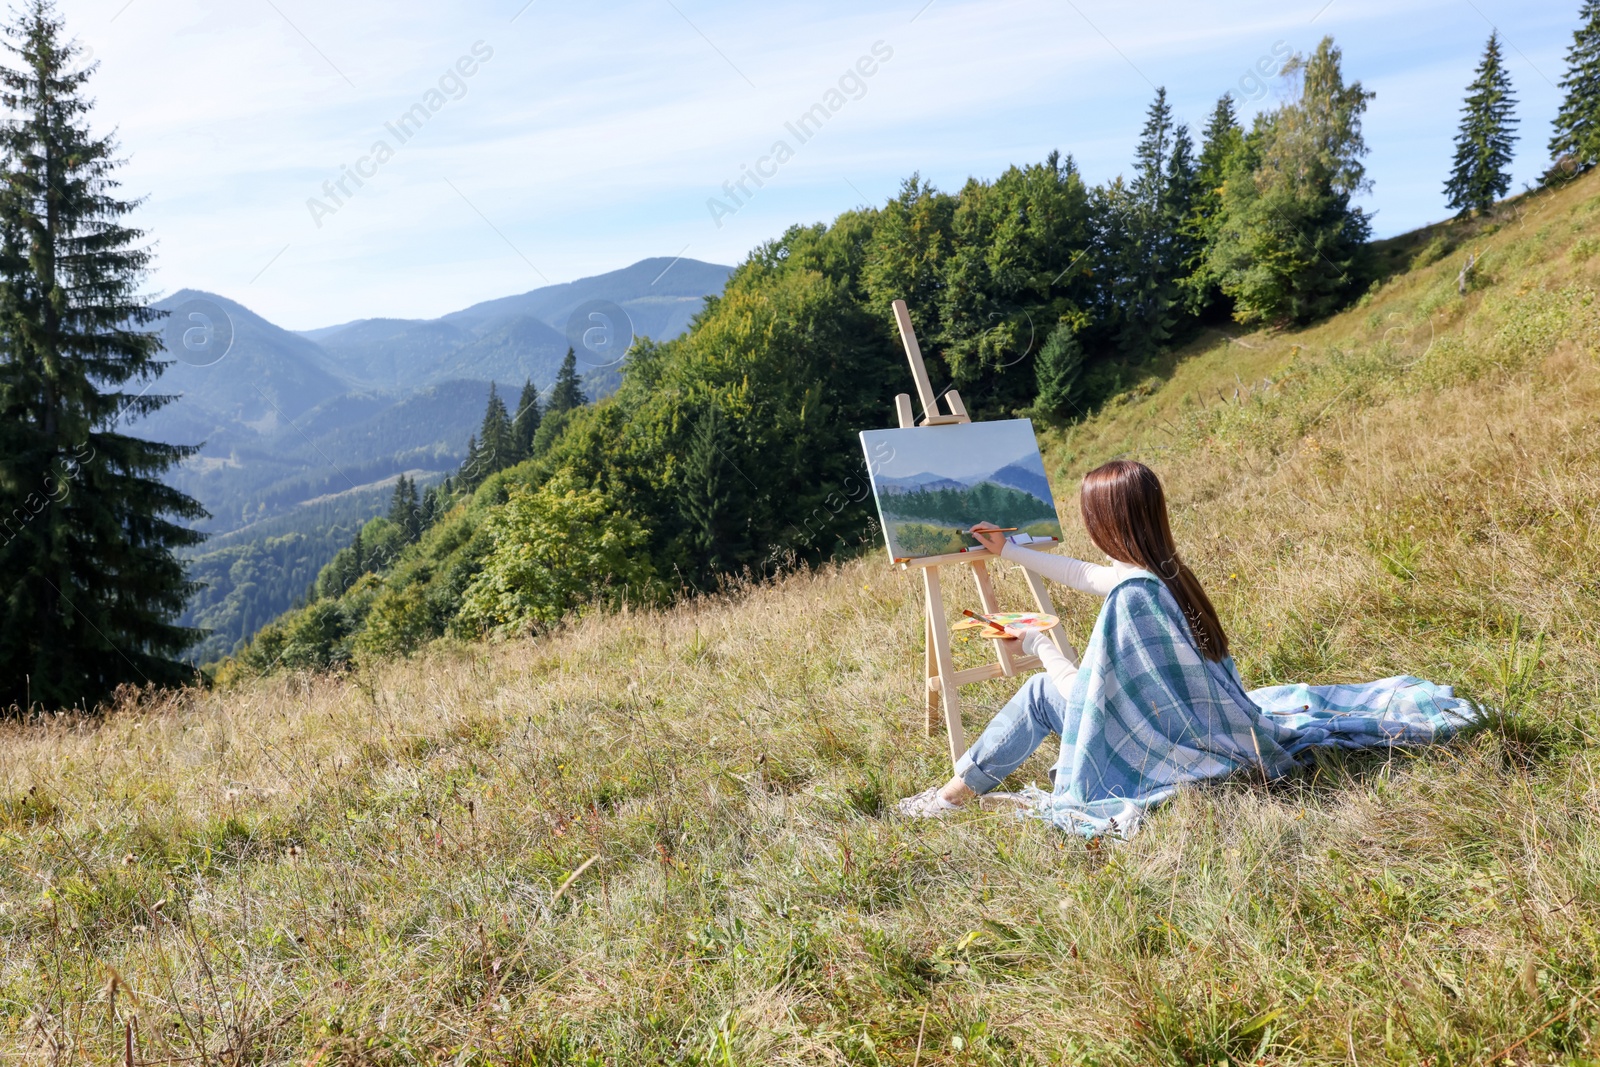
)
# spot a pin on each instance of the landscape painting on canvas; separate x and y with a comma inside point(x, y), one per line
point(933, 483)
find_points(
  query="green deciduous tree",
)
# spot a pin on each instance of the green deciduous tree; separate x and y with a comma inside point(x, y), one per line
point(1576, 138)
point(92, 583)
point(555, 549)
point(1291, 247)
point(1481, 173)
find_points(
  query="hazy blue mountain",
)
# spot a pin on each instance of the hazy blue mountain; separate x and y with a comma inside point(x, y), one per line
point(394, 353)
point(268, 377)
point(660, 296)
point(917, 483)
point(290, 422)
point(349, 442)
point(513, 350)
point(1026, 474)
point(284, 414)
point(500, 340)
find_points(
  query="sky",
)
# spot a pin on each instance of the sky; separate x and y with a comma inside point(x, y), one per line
point(567, 140)
point(968, 451)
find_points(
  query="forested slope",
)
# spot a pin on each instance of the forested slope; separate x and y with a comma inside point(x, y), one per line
point(731, 450)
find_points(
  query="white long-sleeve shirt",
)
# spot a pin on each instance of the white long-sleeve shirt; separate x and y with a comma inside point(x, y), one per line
point(1076, 574)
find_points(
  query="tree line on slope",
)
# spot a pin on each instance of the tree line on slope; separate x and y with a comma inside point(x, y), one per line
point(731, 450)
point(727, 450)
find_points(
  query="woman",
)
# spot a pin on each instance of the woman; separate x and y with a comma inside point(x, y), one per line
point(1157, 701)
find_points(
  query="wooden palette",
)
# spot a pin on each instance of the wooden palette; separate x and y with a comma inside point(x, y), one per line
point(1025, 620)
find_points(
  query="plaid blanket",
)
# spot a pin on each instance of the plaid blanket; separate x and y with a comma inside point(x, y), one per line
point(1148, 713)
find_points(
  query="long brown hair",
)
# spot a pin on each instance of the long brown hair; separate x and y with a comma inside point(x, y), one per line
point(1125, 513)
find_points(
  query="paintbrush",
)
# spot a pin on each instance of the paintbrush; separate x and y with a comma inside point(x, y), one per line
point(996, 529)
point(985, 619)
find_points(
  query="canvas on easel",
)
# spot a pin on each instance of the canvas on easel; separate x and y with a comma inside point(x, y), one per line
point(952, 468)
point(931, 488)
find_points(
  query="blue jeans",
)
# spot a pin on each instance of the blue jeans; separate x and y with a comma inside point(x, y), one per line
point(1027, 720)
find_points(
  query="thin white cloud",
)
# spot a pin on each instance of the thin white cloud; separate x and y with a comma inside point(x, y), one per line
point(595, 135)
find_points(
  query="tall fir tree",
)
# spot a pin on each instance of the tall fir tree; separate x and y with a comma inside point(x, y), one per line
point(1576, 140)
point(525, 423)
point(1220, 142)
point(1153, 151)
point(1149, 263)
point(493, 448)
point(1056, 372)
point(87, 530)
point(1481, 174)
point(567, 392)
point(405, 509)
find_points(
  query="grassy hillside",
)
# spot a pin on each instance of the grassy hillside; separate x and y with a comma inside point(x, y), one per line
point(662, 838)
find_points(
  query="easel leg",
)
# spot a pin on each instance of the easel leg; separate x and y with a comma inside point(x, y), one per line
point(1041, 597)
point(1003, 650)
point(949, 695)
point(930, 693)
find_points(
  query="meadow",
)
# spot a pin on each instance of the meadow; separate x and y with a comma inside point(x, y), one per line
point(666, 836)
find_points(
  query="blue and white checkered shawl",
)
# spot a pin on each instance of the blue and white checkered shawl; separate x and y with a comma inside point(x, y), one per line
point(1148, 713)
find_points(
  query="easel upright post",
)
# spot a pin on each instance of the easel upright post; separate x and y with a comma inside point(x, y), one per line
point(942, 682)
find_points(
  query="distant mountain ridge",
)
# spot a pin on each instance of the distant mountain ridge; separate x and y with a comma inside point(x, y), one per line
point(367, 399)
point(301, 431)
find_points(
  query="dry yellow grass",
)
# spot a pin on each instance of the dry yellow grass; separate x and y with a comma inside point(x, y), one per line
point(387, 866)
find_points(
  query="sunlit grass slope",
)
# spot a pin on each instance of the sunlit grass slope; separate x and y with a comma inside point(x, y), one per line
point(378, 868)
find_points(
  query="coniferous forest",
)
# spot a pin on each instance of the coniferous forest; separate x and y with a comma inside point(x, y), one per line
point(726, 452)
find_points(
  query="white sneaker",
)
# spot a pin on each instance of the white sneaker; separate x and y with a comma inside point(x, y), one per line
point(927, 804)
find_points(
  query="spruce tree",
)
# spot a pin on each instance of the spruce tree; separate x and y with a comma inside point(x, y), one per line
point(526, 421)
point(1057, 368)
point(1181, 248)
point(1220, 142)
point(493, 448)
point(1155, 145)
point(708, 505)
point(1481, 174)
point(567, 392)
point(405, 510)
point(1576, 139)
point(87, 530)
point(494, 436)
point(1148, 266)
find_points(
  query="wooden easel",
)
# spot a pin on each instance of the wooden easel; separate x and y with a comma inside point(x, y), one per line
point(943, 682)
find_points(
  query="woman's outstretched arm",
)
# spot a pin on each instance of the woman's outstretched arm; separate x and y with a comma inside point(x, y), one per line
point(1074, 573)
